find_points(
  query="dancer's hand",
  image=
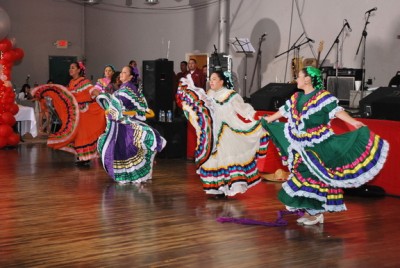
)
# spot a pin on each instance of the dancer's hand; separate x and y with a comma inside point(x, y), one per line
point(358, 124)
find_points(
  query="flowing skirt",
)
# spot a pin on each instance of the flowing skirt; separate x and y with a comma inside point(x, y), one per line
point(128, 150)
point(319, 172)
point(226, 156)
point(79, 130)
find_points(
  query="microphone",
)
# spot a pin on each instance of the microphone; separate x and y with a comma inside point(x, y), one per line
point(215, 50)
point(310, 40)
point(347, 24)
point(372, 9)
point(264, 35)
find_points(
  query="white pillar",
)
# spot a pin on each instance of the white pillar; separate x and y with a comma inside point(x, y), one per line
point(223, 26)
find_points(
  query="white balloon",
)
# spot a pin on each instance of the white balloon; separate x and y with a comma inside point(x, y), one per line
point(4, 24)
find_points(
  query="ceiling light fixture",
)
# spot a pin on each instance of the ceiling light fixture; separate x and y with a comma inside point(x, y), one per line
point(151, 2)
point(91, 2)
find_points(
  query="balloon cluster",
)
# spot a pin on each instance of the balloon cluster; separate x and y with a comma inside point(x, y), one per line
point(8, 108)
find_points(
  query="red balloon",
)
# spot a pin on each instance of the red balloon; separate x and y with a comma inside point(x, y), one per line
point(3, 142)
point(19, 53)
point(9, 55)
point(8, 118)
point(5, 45)
point(5, 131)
point(7, 99)
point(6, 71)
point(8, 77)
point(3, 62)
point(6, 107)
point(14, 109)
point(7, 89)
point(6, 93)
point(13, 139)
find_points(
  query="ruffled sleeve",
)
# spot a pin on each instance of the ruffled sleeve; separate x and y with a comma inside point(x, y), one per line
point(245, 110)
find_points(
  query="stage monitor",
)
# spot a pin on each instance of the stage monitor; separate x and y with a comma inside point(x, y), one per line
point(272, 96)
point(382, 103)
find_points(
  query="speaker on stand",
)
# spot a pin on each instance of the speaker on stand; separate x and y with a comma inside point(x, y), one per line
point(158, 81)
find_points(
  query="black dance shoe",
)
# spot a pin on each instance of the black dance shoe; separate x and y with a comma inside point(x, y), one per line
point(84, 163)
point(218, 196)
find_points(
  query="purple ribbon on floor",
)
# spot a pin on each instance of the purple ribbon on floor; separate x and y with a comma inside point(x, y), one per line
point(277, 223)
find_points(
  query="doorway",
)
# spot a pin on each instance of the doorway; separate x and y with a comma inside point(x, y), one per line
point(200, 58)
point(59, 69)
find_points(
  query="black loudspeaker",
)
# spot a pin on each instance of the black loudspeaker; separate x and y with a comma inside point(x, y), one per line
point(272, 96)
point(340, 86)
point(395, 81)
point(175, 134)
point(158, 77)
point(383, 103)
point(217, 62)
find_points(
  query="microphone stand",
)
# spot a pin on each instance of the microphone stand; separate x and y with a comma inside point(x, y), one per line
point(257, 65)
point(363, 38)
point(287, 52)
point(336, 42)
point(245, 68)
point(291, 48)
point(294, 47)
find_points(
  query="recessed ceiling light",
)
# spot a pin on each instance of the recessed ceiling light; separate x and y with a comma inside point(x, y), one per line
point(151, 2)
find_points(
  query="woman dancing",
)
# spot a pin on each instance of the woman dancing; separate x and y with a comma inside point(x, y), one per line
point(229, 140)
point(320, 162)
point(83, 120)
point(129, 145)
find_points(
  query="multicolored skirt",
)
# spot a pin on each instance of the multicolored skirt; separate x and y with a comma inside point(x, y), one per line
point(319, 172)
point(128, 150)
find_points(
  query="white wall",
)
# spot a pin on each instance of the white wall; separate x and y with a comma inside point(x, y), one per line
point(115, 35)
point(323, 20)
point(36, 25)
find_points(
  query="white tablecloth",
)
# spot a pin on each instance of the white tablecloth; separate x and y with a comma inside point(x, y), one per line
point(27, 120)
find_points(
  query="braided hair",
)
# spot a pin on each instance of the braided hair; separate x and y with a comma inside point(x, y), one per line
point(316, 77)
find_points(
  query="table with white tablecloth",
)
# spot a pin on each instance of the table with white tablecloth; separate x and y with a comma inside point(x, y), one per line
point(26, 120)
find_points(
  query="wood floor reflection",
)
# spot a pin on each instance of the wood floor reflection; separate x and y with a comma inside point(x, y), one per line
point(53, 214)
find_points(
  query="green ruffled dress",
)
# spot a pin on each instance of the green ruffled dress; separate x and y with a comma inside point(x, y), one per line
point(321, 162)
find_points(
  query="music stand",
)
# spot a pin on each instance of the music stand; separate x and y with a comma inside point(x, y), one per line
point(243, 45)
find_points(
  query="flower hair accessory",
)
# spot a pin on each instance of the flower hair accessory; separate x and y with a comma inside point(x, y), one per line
point(229, 81)
point(82, 68)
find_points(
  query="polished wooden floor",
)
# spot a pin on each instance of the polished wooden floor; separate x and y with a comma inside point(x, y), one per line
point(53, 214)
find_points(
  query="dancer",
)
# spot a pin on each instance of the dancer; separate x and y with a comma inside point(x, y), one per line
point(83, 120)
point(105, 84)
point(129, 145)
point(229, 140)
point(320, 162)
